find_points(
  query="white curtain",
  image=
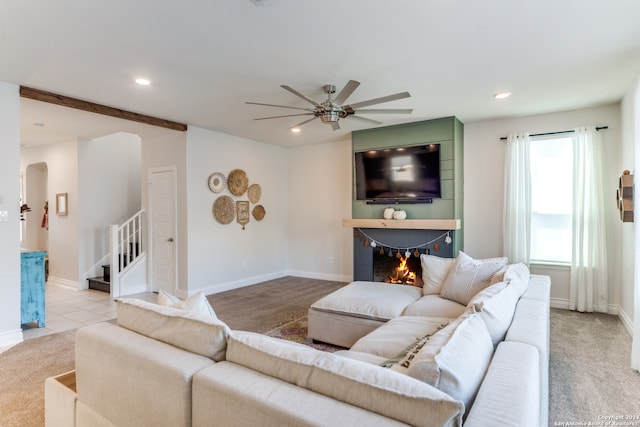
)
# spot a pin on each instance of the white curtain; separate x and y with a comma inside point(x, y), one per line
point(588, 287)
point(516, 235)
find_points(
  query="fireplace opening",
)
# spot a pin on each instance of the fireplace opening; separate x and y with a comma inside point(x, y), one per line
point(397, 269)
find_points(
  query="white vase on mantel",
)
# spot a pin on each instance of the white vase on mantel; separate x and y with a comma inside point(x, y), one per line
point(399, 215)
point(388, 213)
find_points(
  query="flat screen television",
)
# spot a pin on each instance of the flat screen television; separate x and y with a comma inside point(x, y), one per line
point(398, 175)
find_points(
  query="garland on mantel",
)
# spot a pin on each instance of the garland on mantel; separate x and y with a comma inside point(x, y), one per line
point(370, 241)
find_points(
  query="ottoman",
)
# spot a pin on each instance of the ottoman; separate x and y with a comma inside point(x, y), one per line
point(344, 316)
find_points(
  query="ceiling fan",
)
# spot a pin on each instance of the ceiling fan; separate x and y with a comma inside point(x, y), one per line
point(332, 110)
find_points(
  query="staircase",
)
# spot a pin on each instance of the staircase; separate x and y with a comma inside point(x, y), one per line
point(126, 251)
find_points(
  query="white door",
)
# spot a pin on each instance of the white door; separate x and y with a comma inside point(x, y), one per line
point(162, 229)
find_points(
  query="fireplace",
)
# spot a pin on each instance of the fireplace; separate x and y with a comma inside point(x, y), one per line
point(397, 267)
point(370, 265)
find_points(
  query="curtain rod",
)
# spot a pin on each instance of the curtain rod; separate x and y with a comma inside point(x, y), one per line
point(504, 138)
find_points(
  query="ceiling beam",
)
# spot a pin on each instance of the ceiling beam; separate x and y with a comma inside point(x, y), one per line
point(66, 101)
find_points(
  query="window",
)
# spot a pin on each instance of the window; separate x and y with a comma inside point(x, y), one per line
point(551, 199)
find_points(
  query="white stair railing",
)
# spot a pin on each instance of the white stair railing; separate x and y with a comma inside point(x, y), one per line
point(126, 247)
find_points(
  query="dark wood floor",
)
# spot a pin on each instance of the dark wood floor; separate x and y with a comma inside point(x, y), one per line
point(260, 307)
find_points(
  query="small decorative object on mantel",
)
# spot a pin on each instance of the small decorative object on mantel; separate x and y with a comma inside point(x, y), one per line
point(625, 196)
point(399, 215)
point(388, 213)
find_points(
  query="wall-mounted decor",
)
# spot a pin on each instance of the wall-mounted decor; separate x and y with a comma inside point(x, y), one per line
point(217, 182)
point(624, 196)
point(61, 204)
point(238, 182)
point(226, 208)
point(242, 212)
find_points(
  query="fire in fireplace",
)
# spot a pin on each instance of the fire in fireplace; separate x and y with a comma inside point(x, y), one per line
point(397, 269)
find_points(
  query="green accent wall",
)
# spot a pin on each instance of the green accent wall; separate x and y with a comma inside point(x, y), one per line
point(449, 133)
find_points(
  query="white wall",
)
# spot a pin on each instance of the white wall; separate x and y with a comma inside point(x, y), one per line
point(483, 188)
point(62, 166)
point(10, 332)
point(35, 195)
point(108, 193)
point(630, 111)
point(320, 197)
point(220, 256)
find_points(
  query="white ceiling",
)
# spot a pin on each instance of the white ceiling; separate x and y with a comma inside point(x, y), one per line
point(205, 58)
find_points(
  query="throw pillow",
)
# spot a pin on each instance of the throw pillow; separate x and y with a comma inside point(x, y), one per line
point(434, 272)
point(496, 305)
point(469, 276)
point(196, 303)
point(455, 359)
point(195, 332)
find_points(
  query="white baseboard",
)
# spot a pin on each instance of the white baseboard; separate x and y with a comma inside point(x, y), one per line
point(626, 321)
point(321, 276)
point(10, 338)
point(222, 287)
point(613, 309)
point(52, 280)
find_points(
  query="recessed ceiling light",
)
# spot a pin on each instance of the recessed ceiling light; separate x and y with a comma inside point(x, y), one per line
point(295, 130)
point(143, 82)
point(502, 95)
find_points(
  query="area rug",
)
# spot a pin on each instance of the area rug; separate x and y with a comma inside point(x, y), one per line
point(296, 331)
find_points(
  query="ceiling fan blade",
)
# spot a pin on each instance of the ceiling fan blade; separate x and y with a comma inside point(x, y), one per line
point(346, 92)
point(279, 106)
point(381, 100)
point(302, 123)
point(335, 126)
point(296, 93)
point(385, 111)
point(365, 120)
point(287, 115)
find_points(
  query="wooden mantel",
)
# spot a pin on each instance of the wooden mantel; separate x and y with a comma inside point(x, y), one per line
point(410, 224)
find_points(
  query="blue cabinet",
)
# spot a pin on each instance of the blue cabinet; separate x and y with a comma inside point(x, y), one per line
point(32, 287)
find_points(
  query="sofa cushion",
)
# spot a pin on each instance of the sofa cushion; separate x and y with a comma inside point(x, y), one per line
point(371, 300)
point(469, 276)
point(196, 303)
point(434, 306)
point(398, 334)
point(360, 384)
point(453, 360)
point(434, 272)
point(518, 274)
point(496, 305)
point(195, 332)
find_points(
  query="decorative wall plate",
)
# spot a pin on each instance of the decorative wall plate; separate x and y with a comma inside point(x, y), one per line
point(258, 212)
point(217, 181)
point(237, 182)
point(242, 210)
point(254, 192)
point(224, 209)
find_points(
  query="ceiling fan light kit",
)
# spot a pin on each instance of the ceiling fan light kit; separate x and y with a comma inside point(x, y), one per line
point(332, 110)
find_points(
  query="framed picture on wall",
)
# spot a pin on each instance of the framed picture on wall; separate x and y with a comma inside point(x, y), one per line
point(61, 204)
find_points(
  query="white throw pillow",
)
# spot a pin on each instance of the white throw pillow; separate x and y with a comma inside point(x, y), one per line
point(434, 272)
point(454, 360)
point(195, 332)
point(496, 305)
point(469, 276)
point(196, 303)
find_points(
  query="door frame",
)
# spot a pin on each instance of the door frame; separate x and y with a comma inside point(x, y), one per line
point(150, 232)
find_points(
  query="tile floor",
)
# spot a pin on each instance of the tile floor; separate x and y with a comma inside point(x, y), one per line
point(70, 309)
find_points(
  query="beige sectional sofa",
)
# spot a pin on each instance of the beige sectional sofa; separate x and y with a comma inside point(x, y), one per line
point(162, 366)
